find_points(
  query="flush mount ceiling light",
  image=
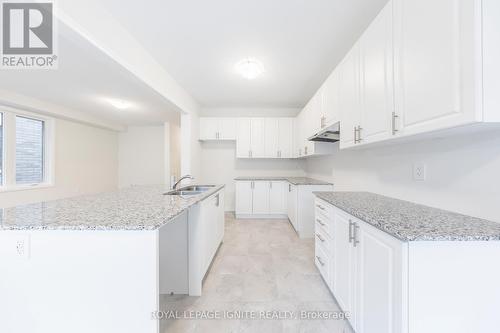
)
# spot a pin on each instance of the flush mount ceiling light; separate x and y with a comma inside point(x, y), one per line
point(120, 104)
point(249, 68)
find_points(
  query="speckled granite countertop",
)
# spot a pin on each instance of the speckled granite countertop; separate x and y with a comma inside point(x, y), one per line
point(412, 222)
point(135, 208)
point(292, 180)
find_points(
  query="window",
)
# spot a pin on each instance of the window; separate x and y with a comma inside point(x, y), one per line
point(25, 148)
point(29, 150)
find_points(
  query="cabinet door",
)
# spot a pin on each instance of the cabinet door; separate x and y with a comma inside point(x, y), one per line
point(208, 128)
point(277, 198)
point(244, 134)
point(285, 137)
point(272, 137)
point(379, 281)
point(244, 201)
point(377, 78)
point(349, 97)
point(330, 99)
point(257, 141)
point(315, 114)
point(261, 197)
point(292, 204)
point(434, 63)
point(227, 129)
point(344, 278)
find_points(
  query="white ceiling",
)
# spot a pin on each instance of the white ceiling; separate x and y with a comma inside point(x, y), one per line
point(85, 77)
point(198, 42)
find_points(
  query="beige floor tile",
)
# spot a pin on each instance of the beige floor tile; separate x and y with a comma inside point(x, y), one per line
point(261, 266)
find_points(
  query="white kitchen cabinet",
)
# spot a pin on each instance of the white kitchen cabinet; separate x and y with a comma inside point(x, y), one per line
point(367, 270)
point(344, 256)
point(379, 281)
point(212, 128)
point(393, 286)
point(243, 138)
point(257, 140)
point(279, 137)
point(277, 197)
point(272, 137)
point(292, 205)
point(300, 207)
point(376, 69)
point(330, 100)
point(260, 199)
point(434, 63)
point(285, 137)
point(244, 197)
point(349, 100)
point(261, 194)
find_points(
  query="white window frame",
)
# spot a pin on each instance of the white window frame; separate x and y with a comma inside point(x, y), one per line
point(9, 151)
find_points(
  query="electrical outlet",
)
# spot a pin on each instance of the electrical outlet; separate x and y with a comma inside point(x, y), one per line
point(419, 172)
point(22, 247)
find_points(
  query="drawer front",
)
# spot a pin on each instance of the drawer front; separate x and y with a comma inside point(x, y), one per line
point(323, 262)
point(322, 239)
point(321, 207)
point(323, 223)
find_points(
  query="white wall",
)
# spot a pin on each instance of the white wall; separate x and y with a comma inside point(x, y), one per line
point(86, 161)
point(143, 156)
point(463, 172)
point(190, 146)
point(219, 164)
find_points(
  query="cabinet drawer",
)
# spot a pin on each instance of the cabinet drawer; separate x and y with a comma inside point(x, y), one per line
point(323, 223)
point(323, 261)
point(321, 207)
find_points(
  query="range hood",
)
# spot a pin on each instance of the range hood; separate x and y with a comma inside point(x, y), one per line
point(328, 134)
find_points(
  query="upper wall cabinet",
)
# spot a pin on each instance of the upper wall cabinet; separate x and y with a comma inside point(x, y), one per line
point(264, 138)
point(217, 129)
point(350, 100)
point(436, 71)
point(421, 66)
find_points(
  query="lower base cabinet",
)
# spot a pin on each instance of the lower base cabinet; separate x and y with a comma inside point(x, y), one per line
point(279, 199)
point(391, 286)
point(206, 232)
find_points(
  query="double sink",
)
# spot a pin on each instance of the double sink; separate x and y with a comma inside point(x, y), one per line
point(191, 190)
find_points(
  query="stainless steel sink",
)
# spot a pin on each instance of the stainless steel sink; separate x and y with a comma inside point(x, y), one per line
point(197, 188)
point(183, 193)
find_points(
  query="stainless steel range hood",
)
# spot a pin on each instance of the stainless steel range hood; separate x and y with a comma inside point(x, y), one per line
point(328, 134)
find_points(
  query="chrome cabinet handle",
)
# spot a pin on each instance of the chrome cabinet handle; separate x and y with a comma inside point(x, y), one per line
point(355, 134)
point(351, 237)
point(289, 187)
point(320, 222)
point(355, 234)
point(217, 200)
point(359, 134)
point(320, 238)
point(394, 116)
point(320, 261)
point(270, 185)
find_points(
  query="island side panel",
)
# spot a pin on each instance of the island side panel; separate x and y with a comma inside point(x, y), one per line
point(78, 281)
point(454, 286)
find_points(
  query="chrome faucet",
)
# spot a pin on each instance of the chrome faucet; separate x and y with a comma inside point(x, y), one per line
point(181, 179)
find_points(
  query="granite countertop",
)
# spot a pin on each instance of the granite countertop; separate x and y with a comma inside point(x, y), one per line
point(134, 208)
point(292, 180)
point(408, 221)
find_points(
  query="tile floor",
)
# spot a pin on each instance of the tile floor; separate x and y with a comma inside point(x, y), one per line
point(261, 266)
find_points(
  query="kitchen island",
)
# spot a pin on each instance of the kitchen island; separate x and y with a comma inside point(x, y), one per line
point(99, 263)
